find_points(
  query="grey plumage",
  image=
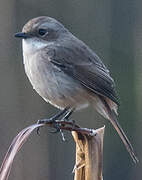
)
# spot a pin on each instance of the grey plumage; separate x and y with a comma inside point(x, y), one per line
point(67, 73)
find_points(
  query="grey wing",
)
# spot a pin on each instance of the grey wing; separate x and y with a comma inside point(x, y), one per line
point(83, 65)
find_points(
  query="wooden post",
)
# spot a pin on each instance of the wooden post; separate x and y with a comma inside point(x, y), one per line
point(89, 155)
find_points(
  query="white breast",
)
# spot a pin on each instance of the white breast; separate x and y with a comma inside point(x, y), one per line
point(31, 45)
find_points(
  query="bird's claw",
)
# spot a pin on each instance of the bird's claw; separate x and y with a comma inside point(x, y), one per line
point(38, 129)
point(41, 121)
point(57, 127)
point(56, 123)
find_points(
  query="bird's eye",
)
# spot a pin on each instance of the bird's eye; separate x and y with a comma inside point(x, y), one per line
point(42, 32)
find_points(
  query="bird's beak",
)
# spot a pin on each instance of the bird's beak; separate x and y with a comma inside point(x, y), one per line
point(22, 35)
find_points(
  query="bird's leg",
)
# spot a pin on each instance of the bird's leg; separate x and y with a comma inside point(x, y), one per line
point(53, 120)
point(57, 126)
point(67, 115)
point(66, 118)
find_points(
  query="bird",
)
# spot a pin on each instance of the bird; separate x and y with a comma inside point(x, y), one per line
point(68, 74)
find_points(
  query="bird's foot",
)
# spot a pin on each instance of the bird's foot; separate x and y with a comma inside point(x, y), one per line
point(55, 124)
point(52, 119)
point(43, 121)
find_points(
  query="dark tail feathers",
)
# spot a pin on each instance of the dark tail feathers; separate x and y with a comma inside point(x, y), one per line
point(116, 125)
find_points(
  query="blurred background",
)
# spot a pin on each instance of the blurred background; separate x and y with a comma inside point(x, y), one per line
point(114, 30)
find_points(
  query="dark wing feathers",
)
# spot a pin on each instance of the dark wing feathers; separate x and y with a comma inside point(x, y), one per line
point(85, 66)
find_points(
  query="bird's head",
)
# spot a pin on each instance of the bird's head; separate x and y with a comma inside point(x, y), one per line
point(40, 31)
